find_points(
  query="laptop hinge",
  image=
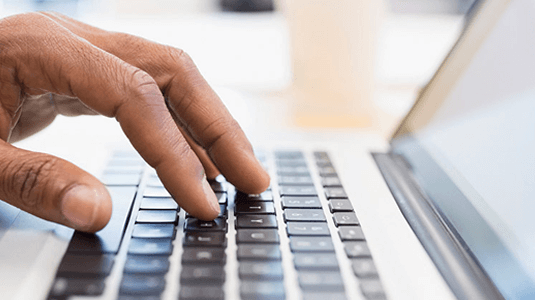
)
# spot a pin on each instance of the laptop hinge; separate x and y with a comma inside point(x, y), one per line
point(458, 268)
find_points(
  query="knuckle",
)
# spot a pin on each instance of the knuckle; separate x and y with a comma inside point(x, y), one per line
point(142, 83)
point(140, 91)
point(180, 62)
point(179, 56)
point(219, 128)
point(27, 178)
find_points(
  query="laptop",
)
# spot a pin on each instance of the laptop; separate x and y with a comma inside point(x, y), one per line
point(443, 210)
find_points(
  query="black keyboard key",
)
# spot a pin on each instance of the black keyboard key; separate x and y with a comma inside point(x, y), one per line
point(260, 290)
point(340, 206)
point(194, 224)
point(331, 181)
point(351, 233)
point(205, 238)
point(77, 286)
point(219, 187)
point(323, 163)
point(295, 180)
point(256, 221)
point(145, 297)
point(321, 155)
point(300, 202)
point(198, 255)
point(315, 261)
point(254, 207)
point(290, 163)
point(108, 239)
point(311, 244)
point(267, 236)
point(156, 192)
point(82, 242)
point(150, 246)
point(327, 171)
point(372, 289)
point(223, 213)
point(345, 218)
point(293, 171)
point(249, 270)
point(118, 179)
point(222, 198)
point(289, 154)
point(258, 252)
point(295, 190)
point(314, 295)
point(356, 249)
point(146, 264)
point(142, 284)
point(157, 216)
point(304, 215)
point(335, 193)
point(159, 203)
point(201, 292)
point(264, 196)
point(204, 274)
point(86, 265)
point(364, 268)
point(307, 228)
point(321, 281)
point(154, 231)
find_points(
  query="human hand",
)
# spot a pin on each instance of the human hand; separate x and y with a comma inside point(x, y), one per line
point(51, 64)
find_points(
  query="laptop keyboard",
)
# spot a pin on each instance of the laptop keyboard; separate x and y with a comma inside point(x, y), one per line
point(274, 245)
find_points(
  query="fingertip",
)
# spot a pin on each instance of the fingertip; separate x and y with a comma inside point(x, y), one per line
point(213, 212)
point(257, 180)
point(87, 208)
point(257, 184)
point(207, 209)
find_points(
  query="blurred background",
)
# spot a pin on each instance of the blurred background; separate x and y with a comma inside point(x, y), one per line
point(242, 47)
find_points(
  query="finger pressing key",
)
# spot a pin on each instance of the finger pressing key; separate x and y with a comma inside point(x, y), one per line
point(206, 119)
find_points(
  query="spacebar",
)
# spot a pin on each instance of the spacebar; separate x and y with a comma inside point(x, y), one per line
point(108, 239)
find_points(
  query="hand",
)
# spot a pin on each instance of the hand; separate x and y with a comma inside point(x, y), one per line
point(51, 64)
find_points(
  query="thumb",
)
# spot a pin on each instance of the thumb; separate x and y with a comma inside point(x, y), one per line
point(53, 189)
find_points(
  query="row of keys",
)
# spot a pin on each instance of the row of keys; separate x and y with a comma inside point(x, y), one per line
point(306, 225)
point(349, 229)
point(259, 256)
point(203, 257)
point(151, 244)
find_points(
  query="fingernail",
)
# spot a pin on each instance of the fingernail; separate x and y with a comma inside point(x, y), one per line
point(79, 206)
point(212, 199)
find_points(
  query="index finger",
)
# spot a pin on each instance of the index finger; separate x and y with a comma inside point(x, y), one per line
point(203, 115)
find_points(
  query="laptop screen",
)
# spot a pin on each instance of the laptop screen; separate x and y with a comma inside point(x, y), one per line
point(475, 156)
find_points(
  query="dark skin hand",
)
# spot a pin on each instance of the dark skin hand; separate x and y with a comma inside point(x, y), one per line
point(51, 64)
